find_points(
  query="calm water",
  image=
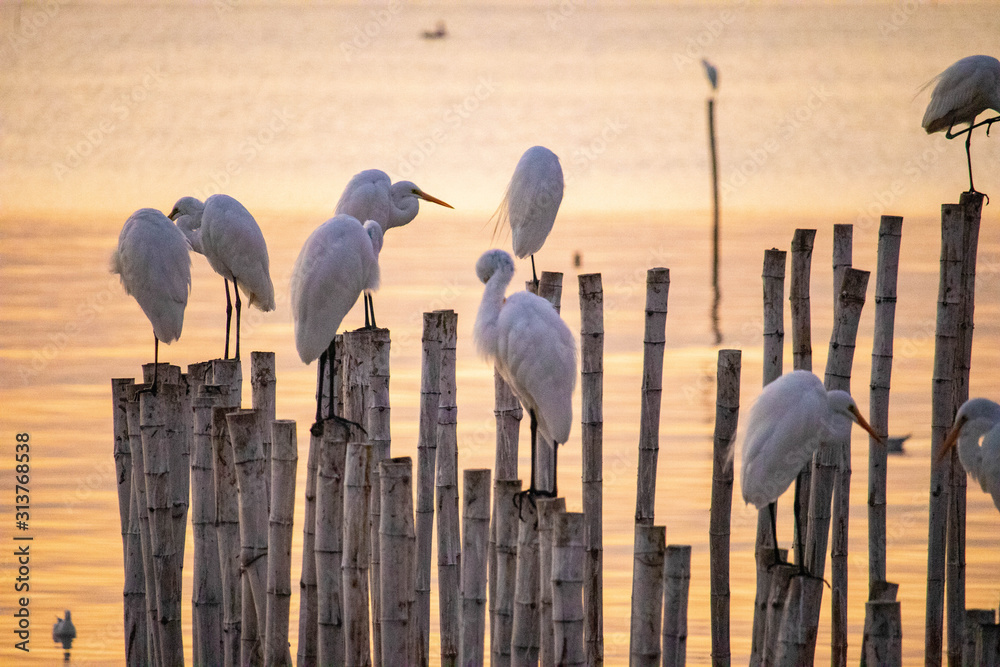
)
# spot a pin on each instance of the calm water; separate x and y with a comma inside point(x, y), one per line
point(106, 109)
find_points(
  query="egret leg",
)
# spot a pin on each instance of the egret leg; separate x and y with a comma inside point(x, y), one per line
point(369, 307)
point(534, 276)
point(236, 292)
point(968, 157)
point(229, 316)
point(156, 361)
point(531, 491)
point(319, 388)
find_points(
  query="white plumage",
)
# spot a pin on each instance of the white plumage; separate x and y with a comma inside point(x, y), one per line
point(977, 432)
point(532, 348)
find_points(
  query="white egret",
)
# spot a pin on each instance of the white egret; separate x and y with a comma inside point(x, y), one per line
point(787, 423)
point(533, 350)
point(963, 91)
point(227, 235)
point(371, 195)
point(531, 202)
point(978, 421)
point(337, 263)
point(153, 263)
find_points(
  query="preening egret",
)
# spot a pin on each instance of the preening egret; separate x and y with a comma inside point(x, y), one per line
point(337, 263)
point(533, 350)
point(531, 202)
point(978, 420)
point(963, 91)
point(371, 195)
point(227, 235)
point(787, 423)
point(153, 263)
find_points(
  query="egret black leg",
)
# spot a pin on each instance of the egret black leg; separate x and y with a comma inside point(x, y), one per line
point(330, 357)
point(369, 307)
point(229, 315)
point(319, 387)
point(236, 293)
point(773, 508)
point(555, 474)
point(968, 157)
point(156, 362)
point(534, 276)
point(800, 544)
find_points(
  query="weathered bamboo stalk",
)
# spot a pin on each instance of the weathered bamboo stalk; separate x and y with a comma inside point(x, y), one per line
point(449, 547)
point(676, 582)
point(229, 373)
point(430, 373)
point(654, 342)
point(122, 453)
point(878, 591)
point(549, 288)
point(890, 232)
point(475, 545)
point(647, 602)
point(140, 593)
point(207, 643)
point(988, 646)
point(306, 655)
point(194, 379)
point(773, 277)
point(781, 576)
point(505, 518)
point(946, 351)
point(973, 619)
point(398, 544)
point(161, 425)
point(727, 408)
point(263, 398)
point(843, 251)
point(883, 634)
point(355, 563)
point(228, 535)
point(379, 436)
point(548, 508)
point(284, 460)
point(328, 543)
point(592, 439)
point(568, 556)
point(508, 413)
point(525, 624)
point(799, 305)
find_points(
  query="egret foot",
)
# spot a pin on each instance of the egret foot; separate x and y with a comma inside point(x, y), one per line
point(317, 427)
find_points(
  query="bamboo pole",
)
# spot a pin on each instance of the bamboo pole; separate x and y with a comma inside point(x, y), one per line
point(355, 563)
point(654, 342)
point(879, 591)
point(263, 398)
point(398, 559)
point(973, 619)
point(475, 545)
point(228, 535)
point(122, 453)
point(206, 615)
point(283, 463)
point(567, 587)
point(796, 624)
point(988, 646)
point(328, 543)
point(195, 378)
point(727, 408)
point(799, 305)
point(508, 413)
point(676, 582)
point(525, 623)
point(161, 426)
point(592, 439)
point(505, 518)
point(781, 576)
point(773, 276)
point(843, 250)
point(647, 603)
point(248, 455)
point(379, 436)
point(889, 237)
point(548, 508)
point(713, 154)
point(449, 546)
point(140, 593)
point(307, 653)
point(430, 373)
point(946, 351)
point(884, 634)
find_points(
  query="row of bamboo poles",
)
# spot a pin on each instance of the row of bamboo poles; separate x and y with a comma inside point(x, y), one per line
point(533, 573)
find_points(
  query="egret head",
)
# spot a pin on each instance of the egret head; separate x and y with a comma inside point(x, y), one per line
point(405, 196)
point(187, 206)
point(492, 261)
point(976, 414)
point(842, 405)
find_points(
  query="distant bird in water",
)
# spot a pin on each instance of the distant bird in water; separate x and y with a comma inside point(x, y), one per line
point(371, 195)
point(534, 352)
point(895, 445)
point(153, 263)
point(963, 91)
point(64, 632)
point(227, 235)
point(977, 433)
point(531, 202)
point(790, 419)
point(712, 73)
point(337, 263)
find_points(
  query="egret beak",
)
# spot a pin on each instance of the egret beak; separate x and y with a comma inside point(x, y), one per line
point(434, 200)
point(173, 214)
point(865, 425)
point(951, 439)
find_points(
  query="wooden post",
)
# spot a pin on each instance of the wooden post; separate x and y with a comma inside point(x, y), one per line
point(448, 522)
point(430, 373)
point(781, 576)
point(973, 619)
point(796, 630)
point(727, 408)
point(284, 459)
point(140, 592)
point(328, 545)
point(676, 581)
point(548, 508)
point(799, 305)
point(227, 526)
point(774, 340)
point(161, 425)
point(505, 518)
point(355, 564)
point(988, 646)
point(307, 653)
point(879, 591)
point(946, 354)
point(508, 412)
point(122, 453)
point(194, 379)
point(713, 153)
point(592, 439)
point(567, 587)
point(647, 603)
point(883, 633)
point(525, 623)
point(475, 545)
point(379, 436)
point(398, 559)
point(262, 398)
